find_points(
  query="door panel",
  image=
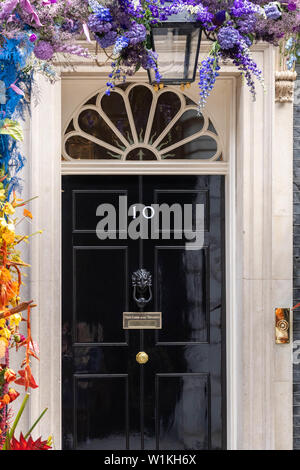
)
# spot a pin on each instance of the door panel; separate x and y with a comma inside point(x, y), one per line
point(97, 321)
point(185, 311)
point(182, 411)
point(105, 422)
point(178, 399)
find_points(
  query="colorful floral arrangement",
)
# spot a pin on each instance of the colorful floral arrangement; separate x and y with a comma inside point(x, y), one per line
point(47, 27)
point(31, 33)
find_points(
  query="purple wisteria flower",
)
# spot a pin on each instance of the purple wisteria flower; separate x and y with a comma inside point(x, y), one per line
point(137, 33)
point(97, 25)
point(208, 73)
point(228, 37)
point(202, 14)
point(108, 39)
point(272, 11)
point(243, 7)
point(43, 50)
point(247, 26)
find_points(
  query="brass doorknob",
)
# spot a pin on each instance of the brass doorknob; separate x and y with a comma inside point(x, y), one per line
point(142, 357)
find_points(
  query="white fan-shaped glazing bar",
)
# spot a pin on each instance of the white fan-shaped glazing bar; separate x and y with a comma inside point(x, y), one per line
point(127, 92)
point(156, 95)
point(128, 111)
point(141, 146)
point(105, 118)
point(65, 155)
point(93, 139)
point(175, 119)
point(194, 137)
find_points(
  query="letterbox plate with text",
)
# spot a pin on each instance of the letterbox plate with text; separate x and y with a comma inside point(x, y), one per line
point(141, 320)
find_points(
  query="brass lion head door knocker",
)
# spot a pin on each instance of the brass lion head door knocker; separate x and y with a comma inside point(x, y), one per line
point(142, 292)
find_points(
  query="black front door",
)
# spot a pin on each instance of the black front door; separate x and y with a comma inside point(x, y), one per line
point(177, 400)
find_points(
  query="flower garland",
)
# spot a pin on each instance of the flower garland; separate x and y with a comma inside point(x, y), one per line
point(32, 32)
point(53, 26)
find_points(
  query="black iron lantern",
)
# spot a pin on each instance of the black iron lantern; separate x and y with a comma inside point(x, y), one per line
point(177, 43)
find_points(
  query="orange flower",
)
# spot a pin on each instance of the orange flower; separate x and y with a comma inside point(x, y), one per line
point(26, 378)
point(9, 375)
point(27, 213)
point(8, 290)
point(13, 394)
point(5, 275)
point(5, 400)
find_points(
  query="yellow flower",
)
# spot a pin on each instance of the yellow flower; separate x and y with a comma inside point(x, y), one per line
point(2, 194)
point(14, 320)
point(8, 233)
point(8, 208)
point(5, 275)
point(3, 346)
point(2, 322)
point(3, 223)
point(5, 333)
point(9, 237)
point(10, 227)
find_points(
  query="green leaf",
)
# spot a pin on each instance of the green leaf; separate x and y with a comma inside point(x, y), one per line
point(12, 128)
point(35, 423)
point(11, 432)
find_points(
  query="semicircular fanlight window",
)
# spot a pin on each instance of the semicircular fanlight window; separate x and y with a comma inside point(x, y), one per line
point(138, 123)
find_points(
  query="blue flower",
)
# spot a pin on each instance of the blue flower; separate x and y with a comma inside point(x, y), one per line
point(228, 37)
point(272, 11)
point(120, 44)
point(291, 61)
point(208, 73)
point(290, 43)
point(102, 12)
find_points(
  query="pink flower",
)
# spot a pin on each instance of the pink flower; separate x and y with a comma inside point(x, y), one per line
point(33, 37)
point(86, 32)
point(17, 89)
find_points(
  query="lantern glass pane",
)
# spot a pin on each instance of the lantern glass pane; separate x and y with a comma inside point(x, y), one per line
point(177, 48)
